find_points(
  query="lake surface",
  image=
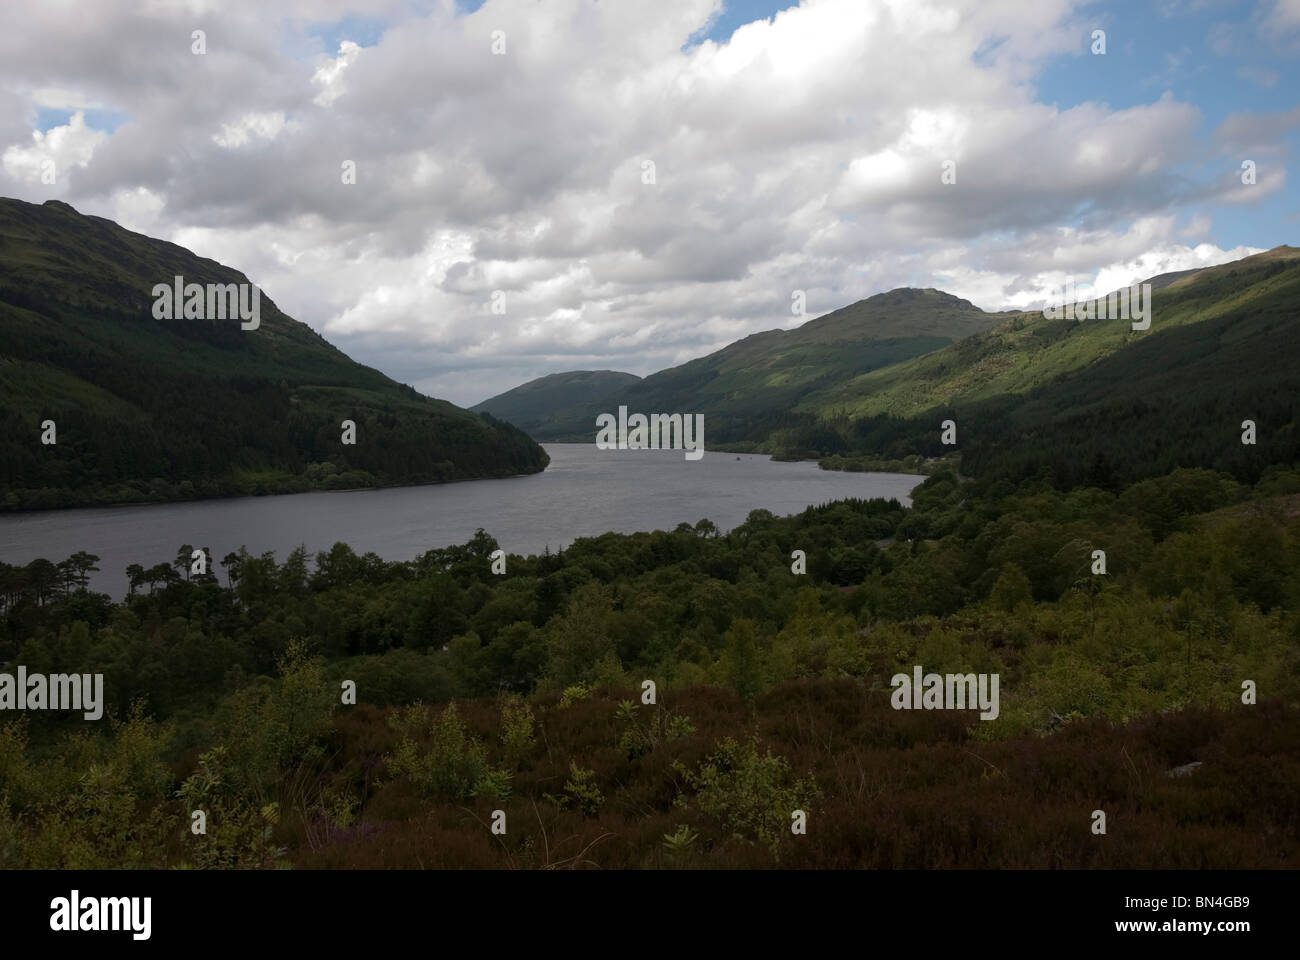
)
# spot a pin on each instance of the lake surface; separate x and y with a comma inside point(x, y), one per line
point(584, 492)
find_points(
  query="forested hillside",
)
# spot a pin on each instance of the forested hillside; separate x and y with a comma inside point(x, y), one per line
point(228, 693)
point(157, 409)
point(1091, 401)
point(747, 389)
point(559, 396)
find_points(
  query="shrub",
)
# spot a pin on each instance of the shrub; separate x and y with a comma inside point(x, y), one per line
point(661, 726)
point(274, 728)
point(581, 792)
point(573, 694)
point(1011, 589)
point(238, 833)
point(454, 764)
point(493, 785)
point(747, 792)
point(680, 844)
point(516, 728)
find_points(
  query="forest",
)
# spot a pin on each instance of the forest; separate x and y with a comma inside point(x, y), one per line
point(101, 402)
point(343, 710)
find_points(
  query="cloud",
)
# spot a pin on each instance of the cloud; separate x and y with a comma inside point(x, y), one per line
point(249, 127)
point(805, 153)
point(1259, 132)
point(329, 77)
point(1284, 16)
point(1094, 261)
point(1261, 75)
point(71, 145)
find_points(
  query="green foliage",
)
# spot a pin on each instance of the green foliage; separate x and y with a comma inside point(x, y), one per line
point(581, 638)
point(1011, 589)
point(96, 803)
point(516, 729)
point(680, 844)
point(239, 832)
point(749, 793)
point(275, 728)
point(581, 791)
point(640, 736)
point(740, 664)
point(574, 694)
point(438, 755)
point(492, 785)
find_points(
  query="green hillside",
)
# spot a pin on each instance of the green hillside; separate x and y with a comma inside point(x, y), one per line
point(1026, 350)
point(150, 409)
point(747, 389)
point(1095, 402)
point(557, 396)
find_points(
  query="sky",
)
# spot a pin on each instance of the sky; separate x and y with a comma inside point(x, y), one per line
point(551, 185)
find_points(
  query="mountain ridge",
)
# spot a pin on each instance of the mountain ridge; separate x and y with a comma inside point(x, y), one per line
point(786, 365)
point(153, 409)
point(554, 392)
point(888, 408)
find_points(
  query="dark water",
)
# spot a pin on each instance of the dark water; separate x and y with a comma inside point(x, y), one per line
point(584, 492)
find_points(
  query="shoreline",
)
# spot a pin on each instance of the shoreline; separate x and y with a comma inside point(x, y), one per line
point(116, 504)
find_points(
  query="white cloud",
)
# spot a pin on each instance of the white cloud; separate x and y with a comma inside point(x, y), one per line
point(137, 209)
point(330, 75)
point(55, 99)
point(251, 126)
point(1095, 262)
point(71, 145)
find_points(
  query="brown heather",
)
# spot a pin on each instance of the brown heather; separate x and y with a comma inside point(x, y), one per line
point(899, 790)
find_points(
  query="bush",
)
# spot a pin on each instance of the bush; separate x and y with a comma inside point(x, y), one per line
point(581, 792)
point(493, 785)
point(681, 844)
point(661, 726)
point(454, 764)
point(274, 728)
point(747, 792)
point(573, 694)
point(516, 729)
point(238, 833)
point(1012, 589)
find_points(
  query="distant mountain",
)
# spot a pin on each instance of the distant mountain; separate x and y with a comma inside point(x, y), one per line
point(1095, 402)
point(1027, 350)
point(1079, 400)
point(557, 396)
point(746, 390)
point(157, 409)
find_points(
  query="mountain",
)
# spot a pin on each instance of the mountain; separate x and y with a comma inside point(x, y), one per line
point(1027, 350)
point(557, 396)
point(1095, 402)
point(746, 389)
point(157, 409)
point(1079, 400)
